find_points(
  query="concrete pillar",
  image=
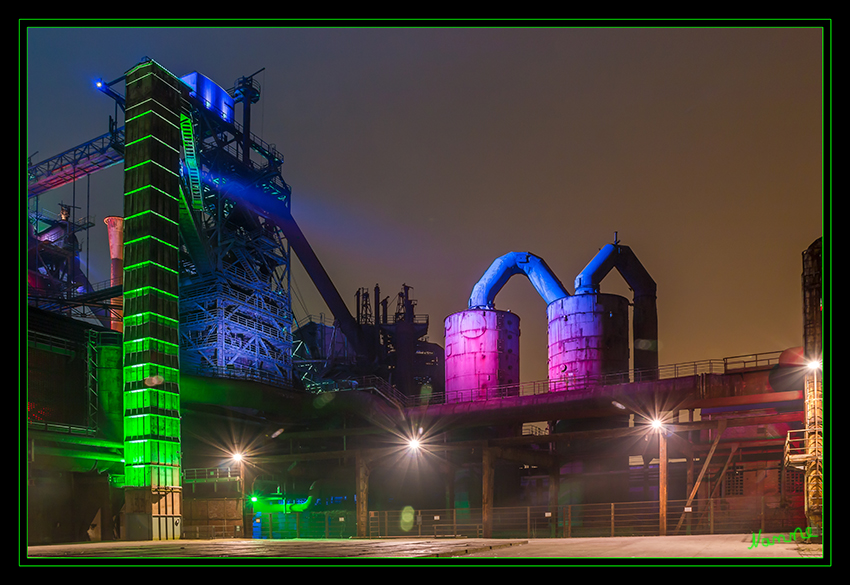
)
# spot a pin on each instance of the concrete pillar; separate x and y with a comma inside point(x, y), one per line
point(554, 490)
point(362, 494)
point(488, 465)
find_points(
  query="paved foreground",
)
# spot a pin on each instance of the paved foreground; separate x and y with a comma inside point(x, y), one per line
point(736, 547)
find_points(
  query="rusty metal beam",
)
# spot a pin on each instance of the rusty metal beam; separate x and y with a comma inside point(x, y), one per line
point(725, 467)
point(721, 426)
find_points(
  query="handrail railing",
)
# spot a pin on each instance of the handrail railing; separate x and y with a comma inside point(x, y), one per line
point(737, 514)
point(575, 383)
point(212, 474)
point(798, 450)
point(753, 360)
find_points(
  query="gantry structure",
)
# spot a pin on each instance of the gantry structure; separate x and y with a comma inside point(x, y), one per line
point(205, 274)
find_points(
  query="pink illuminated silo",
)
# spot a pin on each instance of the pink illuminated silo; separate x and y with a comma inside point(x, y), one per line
point(482, 353)
point(115, 227)
point(588, 337)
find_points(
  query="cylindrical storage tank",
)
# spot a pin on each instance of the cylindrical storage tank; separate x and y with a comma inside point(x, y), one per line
point(482, 354)
point(588, 338)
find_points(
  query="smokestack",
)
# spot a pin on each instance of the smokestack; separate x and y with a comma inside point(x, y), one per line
point(115, 227)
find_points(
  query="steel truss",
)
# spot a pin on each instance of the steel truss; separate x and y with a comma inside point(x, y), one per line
point(235, 304)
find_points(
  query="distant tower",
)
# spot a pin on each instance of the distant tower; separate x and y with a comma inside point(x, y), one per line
point(814, 389)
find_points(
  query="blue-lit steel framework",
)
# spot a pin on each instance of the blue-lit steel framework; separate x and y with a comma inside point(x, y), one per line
point(236, 233)
point(55, 281)
point(235, 304)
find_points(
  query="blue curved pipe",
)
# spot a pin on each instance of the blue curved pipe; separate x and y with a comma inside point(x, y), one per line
point(502, 269)
point(624, 260)
point(645, 319)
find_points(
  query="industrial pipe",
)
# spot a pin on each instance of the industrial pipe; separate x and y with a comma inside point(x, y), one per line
point(502, 269)
point(624, 260)
point(645, 319)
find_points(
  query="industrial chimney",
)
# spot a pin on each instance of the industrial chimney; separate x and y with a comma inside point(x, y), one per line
point(115, 226)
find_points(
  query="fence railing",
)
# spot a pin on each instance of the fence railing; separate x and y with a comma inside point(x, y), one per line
point(213, 531)
point(309, 524)
point(731, 515)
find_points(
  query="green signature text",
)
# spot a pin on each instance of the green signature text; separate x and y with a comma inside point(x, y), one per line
point(792, 537)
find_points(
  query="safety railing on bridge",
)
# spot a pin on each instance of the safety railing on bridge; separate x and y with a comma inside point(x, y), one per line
point(574, 383)
point(754, 360)
point(567, 384)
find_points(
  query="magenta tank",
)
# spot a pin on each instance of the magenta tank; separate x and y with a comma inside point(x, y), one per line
point(482, 355)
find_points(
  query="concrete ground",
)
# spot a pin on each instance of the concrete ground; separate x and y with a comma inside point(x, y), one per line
point(657, 550)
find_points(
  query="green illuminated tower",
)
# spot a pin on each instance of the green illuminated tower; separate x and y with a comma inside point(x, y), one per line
point(151, 371)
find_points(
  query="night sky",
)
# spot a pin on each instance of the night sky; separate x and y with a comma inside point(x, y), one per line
point(419, 155)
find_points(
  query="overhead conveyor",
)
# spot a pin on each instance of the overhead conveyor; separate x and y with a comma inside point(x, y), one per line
point(75, 163)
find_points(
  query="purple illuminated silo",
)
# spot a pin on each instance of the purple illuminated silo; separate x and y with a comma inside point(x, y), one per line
point(482, 343)
point(588, 338)
point(482, 353)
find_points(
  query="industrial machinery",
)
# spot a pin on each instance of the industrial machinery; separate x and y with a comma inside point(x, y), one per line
point(588, 331)
point(194, 337)
point(201, 259)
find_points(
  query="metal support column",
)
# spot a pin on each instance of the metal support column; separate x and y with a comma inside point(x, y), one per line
point(361, 465)
point(488, 464)
point(662, 483)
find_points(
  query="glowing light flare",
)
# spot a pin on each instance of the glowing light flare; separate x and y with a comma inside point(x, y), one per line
point(814, 365)
point(414, 440)
point(656, 423)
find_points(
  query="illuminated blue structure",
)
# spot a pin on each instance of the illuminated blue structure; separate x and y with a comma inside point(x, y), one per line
point(502, 269)
point(210, 95)
point(235, 305)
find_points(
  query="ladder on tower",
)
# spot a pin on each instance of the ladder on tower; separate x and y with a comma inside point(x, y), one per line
point(191, 203)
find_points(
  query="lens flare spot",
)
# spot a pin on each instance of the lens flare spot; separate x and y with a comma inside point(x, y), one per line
point(407, 518)
point(322, 400)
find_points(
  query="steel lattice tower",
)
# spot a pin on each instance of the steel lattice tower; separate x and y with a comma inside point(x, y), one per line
point(235, 305)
